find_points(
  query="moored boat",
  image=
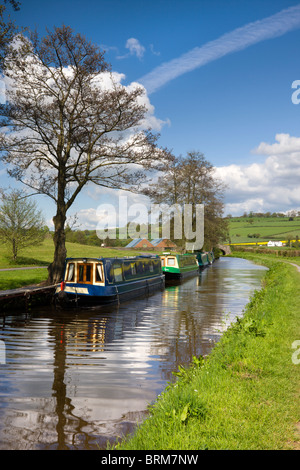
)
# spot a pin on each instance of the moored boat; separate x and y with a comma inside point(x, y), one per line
point(179, 266)
point(205, 259)
point(98, 281)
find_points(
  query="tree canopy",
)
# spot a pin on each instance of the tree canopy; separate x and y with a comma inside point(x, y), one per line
point(21, 223)
point(191, 180)
point(68, 121)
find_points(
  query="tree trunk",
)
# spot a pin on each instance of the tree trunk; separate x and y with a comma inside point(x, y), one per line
point(56, 268)
point(14, 249)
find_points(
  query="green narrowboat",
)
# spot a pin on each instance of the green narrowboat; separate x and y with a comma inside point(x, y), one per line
point(179, 266)
point(205, 259)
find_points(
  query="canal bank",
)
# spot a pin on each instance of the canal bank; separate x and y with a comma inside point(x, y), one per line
point(245, 394)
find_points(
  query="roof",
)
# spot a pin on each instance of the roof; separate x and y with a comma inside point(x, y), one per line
point(136, 241)
point(133, 242)
point(156, 241)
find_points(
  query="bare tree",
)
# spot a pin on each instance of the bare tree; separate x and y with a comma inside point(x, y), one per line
point(191, 180)
point(21, 223)
point(68, 122)
point(7, 27)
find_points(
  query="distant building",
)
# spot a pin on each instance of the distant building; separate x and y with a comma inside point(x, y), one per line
point(270, 243)
point(163, 243)
point(139, 243)
point(158, 243)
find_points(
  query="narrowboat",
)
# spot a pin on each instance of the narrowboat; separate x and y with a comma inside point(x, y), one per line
point(205, 259)
point(98, 281)
point(179, 266)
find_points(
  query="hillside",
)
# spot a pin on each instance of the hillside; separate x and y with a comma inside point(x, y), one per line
point(263, 229)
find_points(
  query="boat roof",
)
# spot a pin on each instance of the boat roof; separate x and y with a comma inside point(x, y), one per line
point(120, 258)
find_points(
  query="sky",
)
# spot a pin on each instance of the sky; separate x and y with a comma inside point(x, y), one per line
point(222, 77)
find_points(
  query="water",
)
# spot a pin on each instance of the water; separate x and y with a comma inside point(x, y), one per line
point(75, 380)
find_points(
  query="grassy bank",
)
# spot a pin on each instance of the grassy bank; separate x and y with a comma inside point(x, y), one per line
point(16, 279)
point(42, 255)
point(245, 395)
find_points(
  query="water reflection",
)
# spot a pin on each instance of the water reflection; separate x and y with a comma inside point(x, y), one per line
point(77, 379)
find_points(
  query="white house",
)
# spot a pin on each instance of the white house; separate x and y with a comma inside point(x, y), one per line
point(270, 243)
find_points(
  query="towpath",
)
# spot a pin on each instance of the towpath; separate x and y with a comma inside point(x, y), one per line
point(297, 266)
point(19, 269)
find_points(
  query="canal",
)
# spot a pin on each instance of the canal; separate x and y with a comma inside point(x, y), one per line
point(75, 380)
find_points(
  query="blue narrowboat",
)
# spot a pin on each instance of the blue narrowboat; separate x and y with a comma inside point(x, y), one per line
point(98, 281)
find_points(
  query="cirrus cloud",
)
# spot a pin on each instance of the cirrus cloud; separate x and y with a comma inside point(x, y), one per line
point(252, 33)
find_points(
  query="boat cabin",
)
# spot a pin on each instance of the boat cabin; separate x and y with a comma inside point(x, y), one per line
point(102, 280)
point(174, 266)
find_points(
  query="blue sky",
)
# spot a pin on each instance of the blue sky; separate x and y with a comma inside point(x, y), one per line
point(219, 75)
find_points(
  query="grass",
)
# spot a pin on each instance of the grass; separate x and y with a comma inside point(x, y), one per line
point(42, 255)
point(245, 394)
point(269, 228)
point(16, 279)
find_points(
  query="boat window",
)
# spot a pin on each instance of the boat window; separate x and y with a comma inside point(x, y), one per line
point(99, 273)
point(146, 267)
point(171, 261)
point(133, 269)
point(118, 273)
point(88, 273)
point(84, 273)
point(71, 272)
point(109, 273)
point(187, 260)
point(139, 267)
point(80, 273)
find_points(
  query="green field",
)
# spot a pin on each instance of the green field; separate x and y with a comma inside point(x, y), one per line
point(268, 228)
point(42, 255)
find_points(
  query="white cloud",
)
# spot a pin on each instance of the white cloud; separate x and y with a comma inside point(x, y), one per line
point(135, 49)
point(154, 52)
point(285, 144)
point(272, 185)
point(237, 40)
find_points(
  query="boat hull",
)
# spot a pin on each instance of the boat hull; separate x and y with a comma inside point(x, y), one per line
point(83, 295)
point(174, 273)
